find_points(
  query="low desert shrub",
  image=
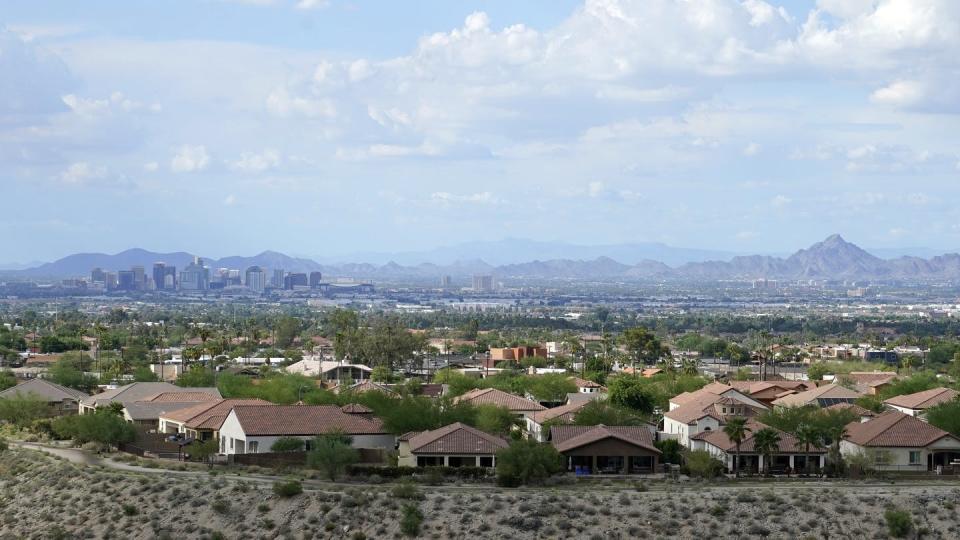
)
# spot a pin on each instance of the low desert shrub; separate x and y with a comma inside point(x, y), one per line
point(899, 522)
point(288, 489)
point(411, 520)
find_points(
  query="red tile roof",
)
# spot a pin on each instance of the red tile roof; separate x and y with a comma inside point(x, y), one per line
point(788, 443)
point(564, 412)
point(260, 420)
point(493, 396)
point(455, 438)
point(852, 407)
point(924, 399)
point(199, 416)
point(165, 397)
point(356, 408)
point(896, 429)
point(565, 438)
point(829, 391)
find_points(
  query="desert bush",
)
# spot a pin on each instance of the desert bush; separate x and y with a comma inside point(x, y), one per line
point(526, 462)
point(411, 520)
point(899, 522)
point(288, 444)
point(288, 489)
point(700, 464)
point(407, 490)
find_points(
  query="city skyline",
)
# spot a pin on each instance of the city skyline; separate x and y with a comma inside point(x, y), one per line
point(382, 128)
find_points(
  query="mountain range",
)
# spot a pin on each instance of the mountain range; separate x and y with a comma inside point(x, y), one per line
point(833, 258)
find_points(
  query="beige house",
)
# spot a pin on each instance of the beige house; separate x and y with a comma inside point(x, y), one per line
point(455, 445)
point(916, 404)
point(822, 396)
point(517, 405)
point(895, 441)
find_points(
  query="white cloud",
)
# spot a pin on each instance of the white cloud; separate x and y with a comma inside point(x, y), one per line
point(899, 93)
point(230, 200)
point(190, 159)
point(595, 189)
point(780, 201)
point(256, 162)
point(151, 166)
point(82, 172)
point(444, 198)
point(751, 149)
point(312, 4)
point(281, 103)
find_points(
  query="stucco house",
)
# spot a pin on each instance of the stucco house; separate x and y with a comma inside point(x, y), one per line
point(767, 391)
point(708, 412)
point(895, 441)
point(455, 445)
point(821, 396)
point(916, 404)
point(203, 420)
point(251, 429)
point(563, 414)
point(519, 406)
point(789, 452)
point(606, 449)
point(144, 402)
point(61, 399)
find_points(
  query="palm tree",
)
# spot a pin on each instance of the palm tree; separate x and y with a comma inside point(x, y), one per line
point(736, 430)
point(808, 436)
point(766, 442)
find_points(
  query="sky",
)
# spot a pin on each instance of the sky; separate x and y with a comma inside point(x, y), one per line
point(324, 128)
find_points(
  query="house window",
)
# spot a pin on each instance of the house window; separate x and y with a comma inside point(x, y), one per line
point(252, 446)
point(915, 457)
point(486, 461)
point(231, 443)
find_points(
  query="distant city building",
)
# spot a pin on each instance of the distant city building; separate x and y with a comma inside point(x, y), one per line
point(277, 280)
point(483, 283)
point(445, 282)
point(256, 279)
point(110, 280)
point(97, 275)
point(139, 277)
point(126, 280)
point(164, 277)
point(764, 284)
point(195, 277)
point(316, 278)
point(295, 279)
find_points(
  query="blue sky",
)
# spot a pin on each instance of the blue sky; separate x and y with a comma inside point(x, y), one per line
point(330, 127)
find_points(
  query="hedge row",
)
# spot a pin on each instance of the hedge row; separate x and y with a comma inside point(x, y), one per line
point(400, 472)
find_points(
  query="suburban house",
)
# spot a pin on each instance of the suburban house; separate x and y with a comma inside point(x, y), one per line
point(869, 383)
point(711, 390)
point(563, 414)
point(767, 391)
point(900, 442)
point(789, 453)
point(251, 429)
point(455, 445)
point(821, 396)
point(585, 386)
point(916, 404)
point(363, 386)
point(144, 402)
point(606, 449)
point(517, 405)
point(61, 399)
point(709, 413)
point(863, 413)
point(330, 370)
point(202, 421)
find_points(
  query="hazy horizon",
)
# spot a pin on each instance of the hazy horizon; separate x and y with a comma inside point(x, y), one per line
point(311, 127)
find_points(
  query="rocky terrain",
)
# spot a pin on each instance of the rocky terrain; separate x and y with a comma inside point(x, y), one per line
point(44, 497)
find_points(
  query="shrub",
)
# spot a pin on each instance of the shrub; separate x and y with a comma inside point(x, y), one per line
point(407, 490)
point(130, 510)
point(288, 444)
point(4, 446)
point(899, 522)
point(332, 454)
point(220, 506)
point(288, 489)
point(700, 464)
point(411, 520)
point(527, 462)
point(466, 473)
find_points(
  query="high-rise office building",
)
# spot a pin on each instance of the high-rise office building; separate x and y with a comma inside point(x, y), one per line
point(316, 278)
point(277, 280)
point(126, 280)
point(160, 273)
point(256, 279)
point(195, 277)
point(295, 279)
point(446, 282)
point(483, 283)
point(98, 275)
point(139, 277)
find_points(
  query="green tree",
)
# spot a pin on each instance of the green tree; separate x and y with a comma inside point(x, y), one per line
point(946, 416)
point(196, 377)
point(67, 372)
point(631, 391)
point(766, 442)
point(286, 329)
point(643, 345)
point(552, 387)
point(816, 371)
point(22, 409)
point(495, 419)
point(103, 426)
point(700, 464)
point(288, 444)
point(332, 453)
point(527, 462)
point(670, 450)
point(204, 450)
point(808, 435)
point(736, 430)
point(603, 412)
point(7, 379)
point(381, 374)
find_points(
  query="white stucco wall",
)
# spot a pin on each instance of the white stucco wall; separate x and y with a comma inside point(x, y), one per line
point(232, 430)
